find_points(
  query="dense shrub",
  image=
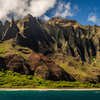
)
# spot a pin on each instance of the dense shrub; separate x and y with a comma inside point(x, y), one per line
point(12, 79)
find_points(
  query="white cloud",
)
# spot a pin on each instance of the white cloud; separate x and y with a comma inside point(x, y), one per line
point(20, 8)
point(39, 7)
point(93, 17)
point(60, 6)
point(67, 6)
point(75, 7)
point(95, 8)
point(46, 18)
point(63, 10)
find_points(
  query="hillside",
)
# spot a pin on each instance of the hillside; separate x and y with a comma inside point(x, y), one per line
point(58, 49)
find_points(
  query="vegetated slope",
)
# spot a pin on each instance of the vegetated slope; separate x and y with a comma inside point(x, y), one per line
point(81, 71)
point(10, 79)
point(52, 38)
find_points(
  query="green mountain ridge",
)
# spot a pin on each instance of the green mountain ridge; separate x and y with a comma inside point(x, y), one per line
point(73, 49)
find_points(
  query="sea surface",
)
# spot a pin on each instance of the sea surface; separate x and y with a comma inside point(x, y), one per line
point(49, 95)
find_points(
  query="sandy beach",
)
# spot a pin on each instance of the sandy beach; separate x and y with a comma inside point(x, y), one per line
point(47, 89)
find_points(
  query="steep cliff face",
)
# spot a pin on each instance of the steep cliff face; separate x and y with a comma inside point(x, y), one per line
point(68, 36)
point(2, 30)
point(39, 39)
point(11, 31)
point(21, 40)
point(74, 39)
point(17, 63)
point(7, 23)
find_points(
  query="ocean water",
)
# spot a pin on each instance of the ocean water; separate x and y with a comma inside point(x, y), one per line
point(50, 95)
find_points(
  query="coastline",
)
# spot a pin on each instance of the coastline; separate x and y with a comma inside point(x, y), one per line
point(48, 89)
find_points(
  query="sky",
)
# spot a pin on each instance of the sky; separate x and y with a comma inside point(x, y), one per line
point(84, 11)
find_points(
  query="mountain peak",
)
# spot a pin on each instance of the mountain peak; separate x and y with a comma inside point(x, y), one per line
point(0, 22)
point(12, 22)
point(55, 18)
point(11, 31)
point(28, 16)
point(7, 23)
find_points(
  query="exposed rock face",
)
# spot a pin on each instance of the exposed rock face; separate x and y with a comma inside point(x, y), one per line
point(43, 65)
point(76, 40)
point(2, 30)
point(17, 63)
point(0, 22)
point(81, 71)
point(39, 39)
point(21, 40)
point(2, 63)
point(7, 23)
point(11, 31)
point(37, 65)
point(28, 28)
point(68, 36)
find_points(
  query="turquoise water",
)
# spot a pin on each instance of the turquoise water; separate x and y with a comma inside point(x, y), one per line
point(50, 95)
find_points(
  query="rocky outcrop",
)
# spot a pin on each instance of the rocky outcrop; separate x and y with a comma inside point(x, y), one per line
point(17, 63)
point(11, 31)
point(2, 30)
point(2, 63)
point(81, 71)
point(7, 23)
point(37, 65)
point(38, 38)
point(21, 40)
point(45, 65)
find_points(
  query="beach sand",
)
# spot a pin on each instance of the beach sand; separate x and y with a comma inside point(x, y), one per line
point(47, 89)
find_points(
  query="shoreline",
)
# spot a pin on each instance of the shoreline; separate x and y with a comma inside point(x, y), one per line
point(47, 89)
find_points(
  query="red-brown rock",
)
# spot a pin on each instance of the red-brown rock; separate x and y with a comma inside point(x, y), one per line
point(17, 63)
point(55, 72)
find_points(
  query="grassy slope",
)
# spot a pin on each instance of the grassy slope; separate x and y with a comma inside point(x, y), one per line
point(10, 47)
point(81, 71)
point(75, 68)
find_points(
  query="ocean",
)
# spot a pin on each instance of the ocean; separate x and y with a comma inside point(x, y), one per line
point(49, 95)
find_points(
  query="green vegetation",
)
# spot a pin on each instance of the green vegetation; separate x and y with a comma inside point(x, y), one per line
point(2, 51)
point(10, 79)
point(9, 46)
point(80, 70)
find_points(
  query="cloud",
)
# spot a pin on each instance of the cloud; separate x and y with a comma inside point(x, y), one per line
point(63, 10)
point(93, 17)
point(46, 18)
point(20, 8)
point(75, 7)
point(95, 8)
